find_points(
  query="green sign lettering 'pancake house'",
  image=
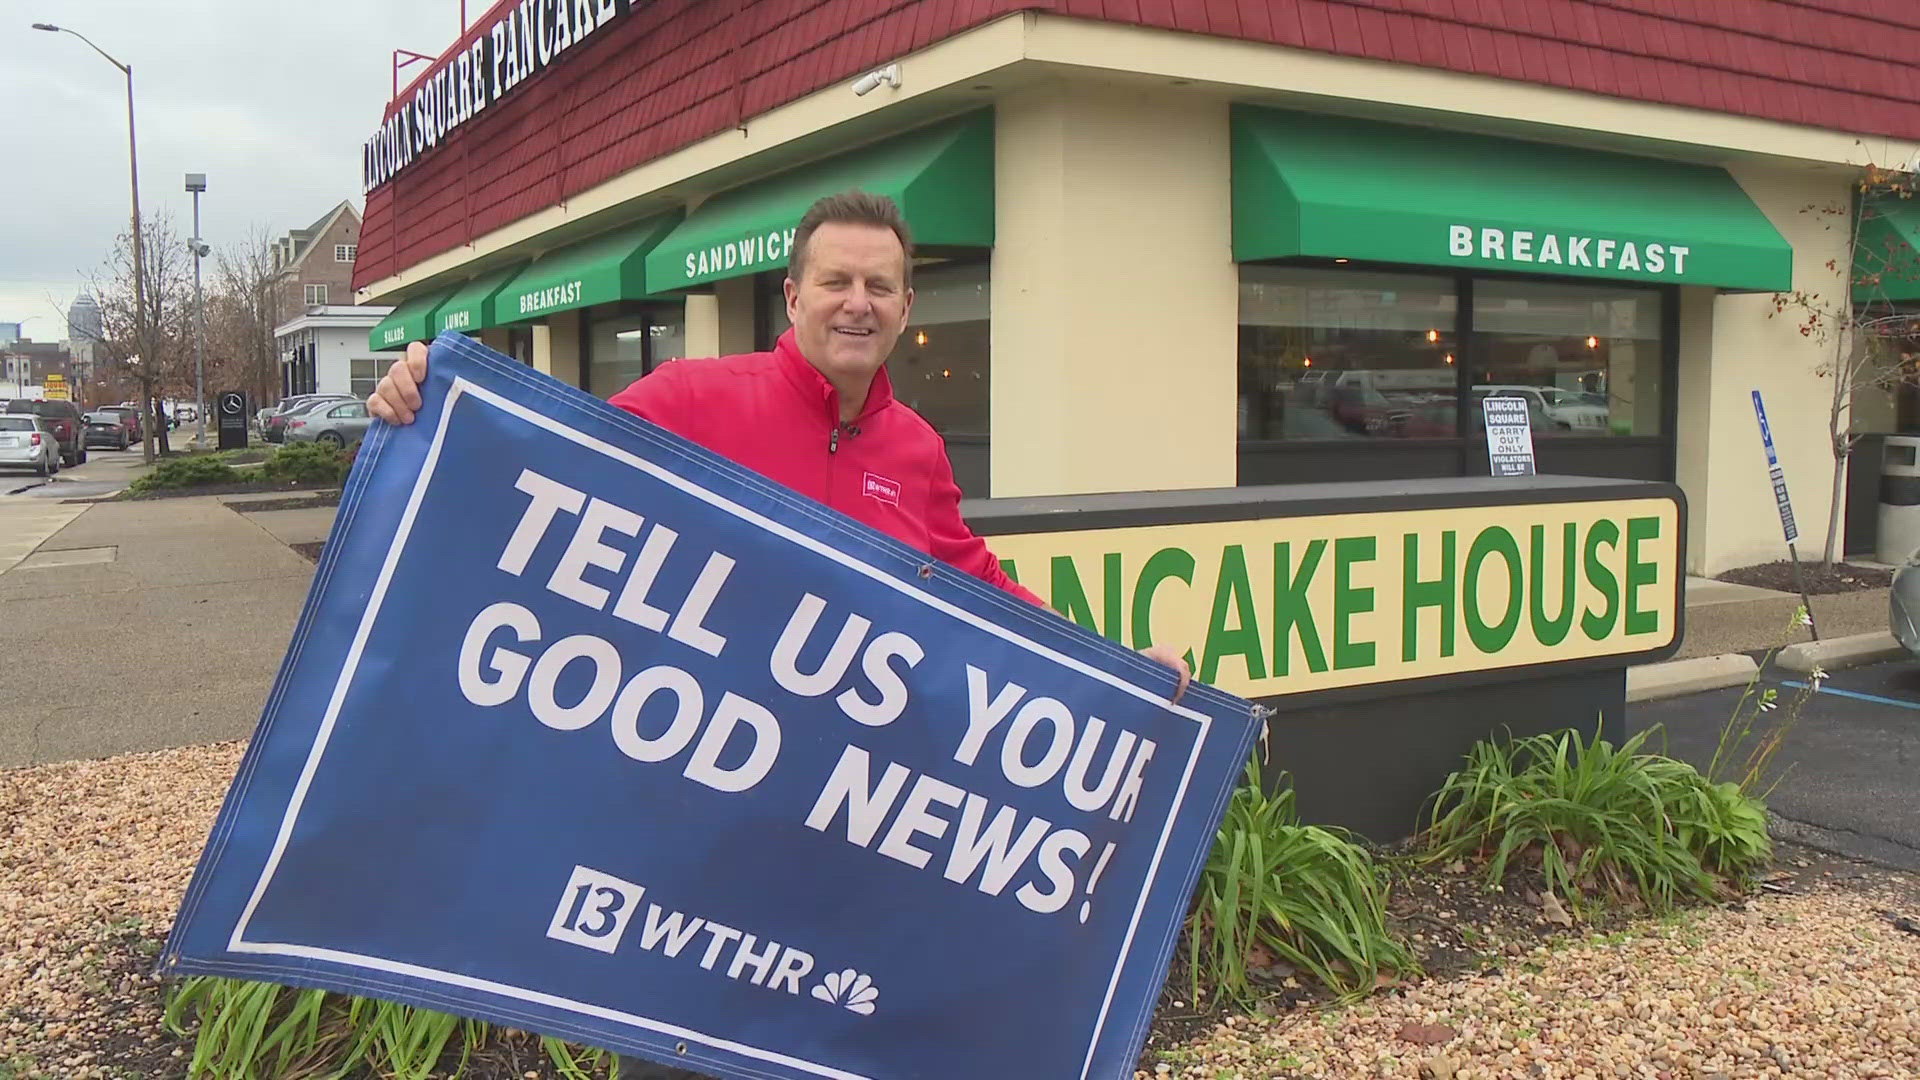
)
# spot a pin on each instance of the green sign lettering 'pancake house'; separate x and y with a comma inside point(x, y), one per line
point(1287, 605)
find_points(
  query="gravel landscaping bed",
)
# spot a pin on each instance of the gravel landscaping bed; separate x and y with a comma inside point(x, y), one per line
point(1817, 976)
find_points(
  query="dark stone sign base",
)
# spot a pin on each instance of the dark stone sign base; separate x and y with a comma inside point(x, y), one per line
point(1372, 766)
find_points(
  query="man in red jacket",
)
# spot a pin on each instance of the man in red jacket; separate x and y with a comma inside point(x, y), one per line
point(816, 414)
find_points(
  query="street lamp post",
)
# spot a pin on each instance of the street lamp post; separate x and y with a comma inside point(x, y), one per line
point(197, 183)
point(139, 247)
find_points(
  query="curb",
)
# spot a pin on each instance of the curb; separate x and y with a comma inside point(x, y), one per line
point(1835, 654)
point(1651, 682)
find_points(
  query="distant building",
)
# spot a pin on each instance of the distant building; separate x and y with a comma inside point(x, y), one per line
point(325, 350)
point(313, 267)
point(9, 333)
point(83, 336)
point(83, 319)
point(25, 364)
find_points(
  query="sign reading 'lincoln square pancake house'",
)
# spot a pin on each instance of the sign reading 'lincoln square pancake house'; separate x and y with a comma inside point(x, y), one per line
point(520, 44)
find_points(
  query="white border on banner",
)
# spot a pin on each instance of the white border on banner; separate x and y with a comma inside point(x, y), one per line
point(461, 386)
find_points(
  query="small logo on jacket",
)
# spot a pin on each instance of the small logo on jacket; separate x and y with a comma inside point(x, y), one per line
point(879, 487)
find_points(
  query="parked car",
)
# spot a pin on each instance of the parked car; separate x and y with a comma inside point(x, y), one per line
point(275, 428)
point(106, 429)
point(27, 442)
point(333, 423)
point(129, 419)
point(1561, 410)
point(63, 417)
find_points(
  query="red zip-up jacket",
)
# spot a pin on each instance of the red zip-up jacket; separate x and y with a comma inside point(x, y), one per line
point(775, 414)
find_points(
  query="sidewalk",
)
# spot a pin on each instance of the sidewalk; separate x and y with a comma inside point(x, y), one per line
point(156, 624)
point(1726, 618)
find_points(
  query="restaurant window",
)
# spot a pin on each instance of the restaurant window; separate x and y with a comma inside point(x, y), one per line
point(1346, 355)
point(520, 344)
point(363, 376)
point(622, 348)
point(1587, 359)
point(940, 365)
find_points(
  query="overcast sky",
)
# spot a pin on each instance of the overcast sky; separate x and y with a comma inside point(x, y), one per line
point(271, 100)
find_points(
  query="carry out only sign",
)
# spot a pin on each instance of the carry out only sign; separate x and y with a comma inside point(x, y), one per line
point(589, 732)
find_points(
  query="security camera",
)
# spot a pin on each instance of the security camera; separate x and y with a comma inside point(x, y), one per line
point(872, 80)
point(199, 248)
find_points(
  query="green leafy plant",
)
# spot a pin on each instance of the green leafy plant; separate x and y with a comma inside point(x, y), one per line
point(184, 472)
point(245, 1030)
point(1308, 895)
point(1758, 726)
point(307, 463)
point(1599, 821)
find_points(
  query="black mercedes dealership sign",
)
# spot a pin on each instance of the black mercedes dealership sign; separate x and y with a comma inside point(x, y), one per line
point(233, 420)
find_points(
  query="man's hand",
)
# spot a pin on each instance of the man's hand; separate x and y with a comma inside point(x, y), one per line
point(397, 398)
point(1165, 655)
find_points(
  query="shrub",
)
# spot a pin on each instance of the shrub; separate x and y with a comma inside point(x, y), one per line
point(1306, 894)
point(184, 472)
point(307, 463)
point(1599, 821)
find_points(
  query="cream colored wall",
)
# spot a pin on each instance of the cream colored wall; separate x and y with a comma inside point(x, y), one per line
point(735, 324)
point(1722, 465)
point(703, 324)
point(1115, 294)
point(1692, 442)
point(556, 348)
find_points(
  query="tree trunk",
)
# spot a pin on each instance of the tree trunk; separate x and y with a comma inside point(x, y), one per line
point(1836, 508)
point(159, 423)
point(146, 428)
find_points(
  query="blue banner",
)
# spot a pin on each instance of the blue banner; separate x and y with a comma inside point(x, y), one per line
point(586, 731)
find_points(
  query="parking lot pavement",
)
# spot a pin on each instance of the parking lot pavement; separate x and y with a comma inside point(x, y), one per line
point(1848, 775)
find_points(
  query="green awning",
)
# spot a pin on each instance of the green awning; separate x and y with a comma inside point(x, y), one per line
point(411, 321)
point(601, 270)
point(470, 307)
point(942, 177)
point(1886, 257)
point(1332, 187)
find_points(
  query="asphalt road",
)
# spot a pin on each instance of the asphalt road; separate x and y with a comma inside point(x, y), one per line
point(1849, 768)
point(106, 471)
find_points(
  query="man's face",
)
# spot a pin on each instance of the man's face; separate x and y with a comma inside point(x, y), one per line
point(853, 302)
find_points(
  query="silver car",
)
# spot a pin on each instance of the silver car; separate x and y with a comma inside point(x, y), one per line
point(28, 442)
point(339, 424)
point(1904, 603)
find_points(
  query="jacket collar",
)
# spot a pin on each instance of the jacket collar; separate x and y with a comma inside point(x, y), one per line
point(814, 386)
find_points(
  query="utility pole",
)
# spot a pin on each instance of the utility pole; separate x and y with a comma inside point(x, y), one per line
point(140, 341)
point(197, 183)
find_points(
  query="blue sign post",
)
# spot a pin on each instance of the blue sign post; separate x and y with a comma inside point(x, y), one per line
point(1784, 505)
point(587, 731)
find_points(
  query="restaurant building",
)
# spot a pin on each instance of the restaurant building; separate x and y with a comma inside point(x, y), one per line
point(1190, 245)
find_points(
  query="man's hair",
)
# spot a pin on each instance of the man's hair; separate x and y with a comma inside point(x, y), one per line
point(854, 207)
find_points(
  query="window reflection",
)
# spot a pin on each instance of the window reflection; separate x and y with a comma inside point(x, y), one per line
point(1585, 358)
point(1346, 355)
point(939, 366)
point(625, 347)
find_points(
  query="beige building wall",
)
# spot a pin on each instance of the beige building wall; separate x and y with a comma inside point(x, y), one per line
point(1730, 347)
point(734, 324)
point(1115, 294)
point(703, 324)
point(556, 348)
